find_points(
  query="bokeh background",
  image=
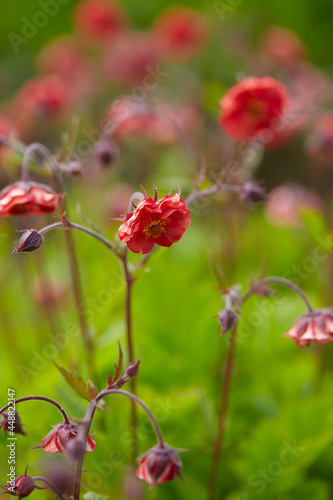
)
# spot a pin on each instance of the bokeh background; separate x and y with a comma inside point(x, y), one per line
point(281, 394)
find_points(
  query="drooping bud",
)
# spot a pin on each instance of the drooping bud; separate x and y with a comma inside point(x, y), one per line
point(57, 439)
point(226, 318)
point(252, 193)
point(159, 465)
point(12, 423)
point(106, 152)
point(30, 241)
point(21, 486)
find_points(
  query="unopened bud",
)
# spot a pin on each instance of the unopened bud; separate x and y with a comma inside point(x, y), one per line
point(30, 241)
point(132, 369)
point(252, 193)
point(106, 152)
point(226, 318)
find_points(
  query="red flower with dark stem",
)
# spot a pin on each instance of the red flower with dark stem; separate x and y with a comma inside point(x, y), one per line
point(182, 32)
point(56, 440)
point(27, 198)
point(315, 325)
point(160, 464)
point(162, 222)
point(252, 105)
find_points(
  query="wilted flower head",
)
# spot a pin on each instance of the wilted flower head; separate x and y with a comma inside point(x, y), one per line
point(22, 486)
point(27, 198)
point(160, 464)
point(56, 440)
point(30, 241)
point(153, 221)
point(182, 32)
point(252, 105)
point(315, 325)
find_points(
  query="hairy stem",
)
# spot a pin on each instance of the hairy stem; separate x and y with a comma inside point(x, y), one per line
point(38, 398)
point(130, 351)
point(282, 281)
point(222, 416)
point(83, 437)
point(138, 401)
point(49, 485)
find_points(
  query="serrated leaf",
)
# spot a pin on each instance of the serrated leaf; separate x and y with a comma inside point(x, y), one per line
point(117, 368)
point(85, 390)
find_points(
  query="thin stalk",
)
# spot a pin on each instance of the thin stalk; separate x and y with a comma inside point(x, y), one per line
point(49, 485)
point(130, 351)
point(83, 436)
point(79, 227)
point(195, 195)
point(138, 401)
point(38, 398)
point(33, 148)
point(282, 281)
point(222, 417)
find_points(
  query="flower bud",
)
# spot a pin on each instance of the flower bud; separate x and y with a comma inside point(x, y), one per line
point(159, 465)
point(106, 152)
point(226, 318)
point(133, 369)
point(21, 486)
point(30, 241)
point(8, 423)
point(252, 193)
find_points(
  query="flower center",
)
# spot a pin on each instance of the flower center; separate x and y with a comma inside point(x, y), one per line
point(255, 110)
point(155, 228)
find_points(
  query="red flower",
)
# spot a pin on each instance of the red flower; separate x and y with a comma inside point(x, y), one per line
point(21, 486)
point(182, 31)
point(314, 325)
point(44, 95)
point(98, 20)
point(28, 198)
point(252, 105)
point(162, 222)
point(282, 45)
point(159, 465)
point(57, 439)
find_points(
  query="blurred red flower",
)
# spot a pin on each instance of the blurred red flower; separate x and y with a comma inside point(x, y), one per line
point(57, 439)
point(98, 20)
point(181, 31)
point(282, 45)
point(252, 105)
point(162, 222)
point(44, 95)
point(27, 198)
point(159, 465)
point(315, 325)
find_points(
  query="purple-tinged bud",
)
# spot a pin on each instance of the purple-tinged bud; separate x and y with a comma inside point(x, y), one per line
point(159, 465)
point(73, 167)
point(133, 369)
point(106, 152)
point(21, 486)
point(252, 193)
point(226, 318)
point(30, 241)
point(11, 423)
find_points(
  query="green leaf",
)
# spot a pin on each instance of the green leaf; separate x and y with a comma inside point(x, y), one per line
point(85, 390)
point(94, 496)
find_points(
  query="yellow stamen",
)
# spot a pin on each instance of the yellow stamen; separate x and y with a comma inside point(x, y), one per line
point(155, 228)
